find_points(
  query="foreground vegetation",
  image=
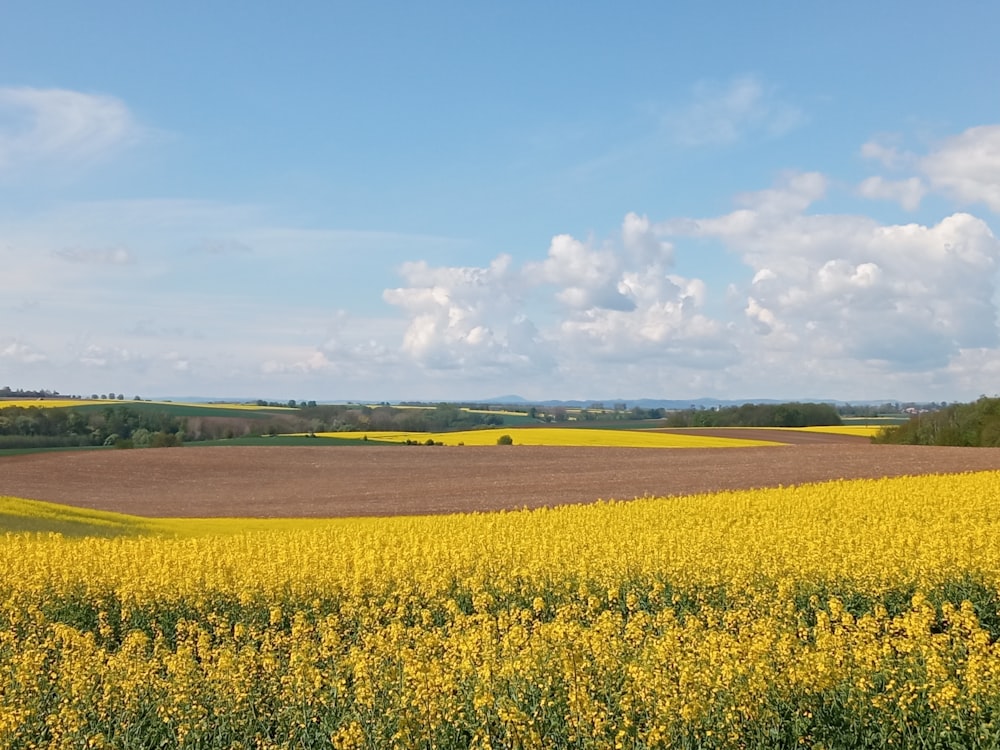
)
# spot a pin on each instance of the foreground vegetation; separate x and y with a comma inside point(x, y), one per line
point(844, 614)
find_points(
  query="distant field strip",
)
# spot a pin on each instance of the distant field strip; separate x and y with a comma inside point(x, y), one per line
point(556, 436)
point(57, 403)
point(862, 430)
point(64, 403)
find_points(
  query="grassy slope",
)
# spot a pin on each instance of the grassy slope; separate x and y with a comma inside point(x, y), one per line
point(19, 516)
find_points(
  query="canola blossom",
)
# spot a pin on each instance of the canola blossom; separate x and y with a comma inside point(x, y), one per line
point(55, 403)
point(557, 436)
point(848, 429)
point(69, 403)
point(850, 613)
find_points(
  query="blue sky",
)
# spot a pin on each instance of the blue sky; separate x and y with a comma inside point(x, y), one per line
point(462, 200)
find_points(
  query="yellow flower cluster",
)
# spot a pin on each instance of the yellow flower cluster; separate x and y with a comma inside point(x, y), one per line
point(860, 613)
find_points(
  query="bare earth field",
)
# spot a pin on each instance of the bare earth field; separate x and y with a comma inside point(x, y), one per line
point(378, 481)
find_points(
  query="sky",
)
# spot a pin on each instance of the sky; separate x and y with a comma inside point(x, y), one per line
point(462, 200)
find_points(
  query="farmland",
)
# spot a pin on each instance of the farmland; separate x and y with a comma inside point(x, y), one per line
point(324, 480)
point(560, 436)
point(859, 613)
point(805, 588)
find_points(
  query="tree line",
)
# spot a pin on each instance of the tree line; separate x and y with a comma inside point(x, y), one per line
point(121, 426)
point(969, 424)
point(357, 418)
point(792, 414)
point(124, 426)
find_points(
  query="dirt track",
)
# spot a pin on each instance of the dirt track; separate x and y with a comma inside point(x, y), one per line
point(352, 481)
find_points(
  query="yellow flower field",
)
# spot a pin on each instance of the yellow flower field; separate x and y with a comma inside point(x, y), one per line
point(54, 403)
point(850, 613)
point(565, 436)
point(863, 430)
point(65, 403)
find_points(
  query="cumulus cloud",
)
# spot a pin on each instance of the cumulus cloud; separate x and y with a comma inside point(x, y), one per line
point(587, 277)
point(644, 242)
point(614, 301)
point(967, 166)
point(59, 125)
point(664, 322)
point(912, 296)
point(465, 316)
point(722, 115)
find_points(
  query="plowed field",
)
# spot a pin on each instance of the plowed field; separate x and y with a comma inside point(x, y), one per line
point(353, 481)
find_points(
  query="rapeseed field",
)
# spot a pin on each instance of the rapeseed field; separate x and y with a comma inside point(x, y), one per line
point(844, 614)
point(557, 436)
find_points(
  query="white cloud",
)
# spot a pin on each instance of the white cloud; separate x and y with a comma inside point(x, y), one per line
point(586, 277)
point(20, 353)
point(907, 193)
point(796, 191)
point(105, 357)
point(465, 316)
point(60, 126)
point(840, 303)
point(617, 302)
point(664, 322)
point(909, 296)
point(644, 243)
point(722, 115)
point(967, 166)
point(887, 153)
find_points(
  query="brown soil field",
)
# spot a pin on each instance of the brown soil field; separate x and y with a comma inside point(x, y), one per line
point(379, 481)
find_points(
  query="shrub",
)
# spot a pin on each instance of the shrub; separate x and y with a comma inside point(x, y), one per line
point(505, 440)
point(165, 440)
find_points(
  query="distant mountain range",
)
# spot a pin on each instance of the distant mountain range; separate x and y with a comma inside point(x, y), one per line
point(609, 403)
point(662, 403)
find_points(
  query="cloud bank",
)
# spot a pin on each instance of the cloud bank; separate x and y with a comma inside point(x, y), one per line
point(822, 304)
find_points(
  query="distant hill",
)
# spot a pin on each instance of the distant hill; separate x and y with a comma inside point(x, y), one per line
point(660, 403)
point(512, 399)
